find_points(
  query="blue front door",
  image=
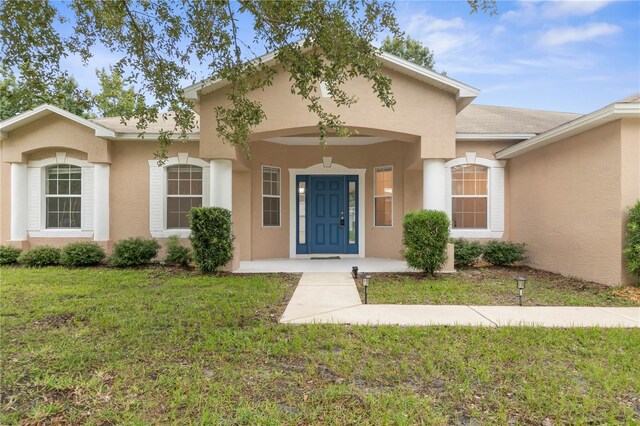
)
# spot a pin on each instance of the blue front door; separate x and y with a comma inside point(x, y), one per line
point(327, 214)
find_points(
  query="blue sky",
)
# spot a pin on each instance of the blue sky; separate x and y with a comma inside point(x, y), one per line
point(572, 56)
point(559, 55)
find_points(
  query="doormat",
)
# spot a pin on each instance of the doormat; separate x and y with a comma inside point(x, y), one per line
point(326, 258)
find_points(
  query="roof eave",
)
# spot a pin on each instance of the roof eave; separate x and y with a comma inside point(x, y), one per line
point(586, 122)
point(494, 136)
point(134, 136)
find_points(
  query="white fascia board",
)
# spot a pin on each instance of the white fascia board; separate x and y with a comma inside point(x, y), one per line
point(494, 136)
point(194, 91)
point(43, 110)
point(586, 122)
point(462, 90)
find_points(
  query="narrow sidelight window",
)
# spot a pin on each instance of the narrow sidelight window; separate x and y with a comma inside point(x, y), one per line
point(184, 191)
point(302, 212)
point(469, 197)
point(383, 196)
point(63, 193)
point(270, 196)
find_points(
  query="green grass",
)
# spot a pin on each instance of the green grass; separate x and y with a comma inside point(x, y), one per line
point(494, 286)
point(138, 347)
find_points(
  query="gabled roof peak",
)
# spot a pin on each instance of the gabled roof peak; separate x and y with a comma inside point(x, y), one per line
point(41, 111)
point(464, 93)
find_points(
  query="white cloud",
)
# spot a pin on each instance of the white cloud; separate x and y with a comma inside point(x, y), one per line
point(530, 11)
point(557, 9)
point(423, 23)
point(442, 42)
point(498, 29)
point(441, 35)
point(563, 35)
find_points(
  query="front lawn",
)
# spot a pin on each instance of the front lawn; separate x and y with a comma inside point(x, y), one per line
point(154, 346)
point(495, 286)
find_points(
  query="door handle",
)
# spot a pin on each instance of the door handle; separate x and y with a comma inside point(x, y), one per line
point(342, 220)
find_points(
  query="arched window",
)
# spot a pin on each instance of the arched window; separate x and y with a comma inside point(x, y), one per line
point(469, 197)
point(63, 195)
point(184, 191)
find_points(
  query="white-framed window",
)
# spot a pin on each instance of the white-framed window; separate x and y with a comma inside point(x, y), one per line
point(383, 196)
point(475, 196)
point(63, 196)
point(175, 187)
point(184, 191)
point(469, 197)
point(60, 197)
point(271, 178)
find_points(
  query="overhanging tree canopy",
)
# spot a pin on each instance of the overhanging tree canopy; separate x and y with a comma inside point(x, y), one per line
point(161, 42)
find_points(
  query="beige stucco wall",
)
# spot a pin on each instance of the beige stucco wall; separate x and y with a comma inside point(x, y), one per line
point(422, 113)
point(565, 202)
point(630, 177)
point(485, 149)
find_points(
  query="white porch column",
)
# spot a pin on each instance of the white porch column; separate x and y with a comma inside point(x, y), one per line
point(19, 201)
point(433, 184)
point(221, 183)
point(101, 201)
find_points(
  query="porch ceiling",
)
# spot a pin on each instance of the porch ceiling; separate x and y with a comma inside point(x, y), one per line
point(331, 141)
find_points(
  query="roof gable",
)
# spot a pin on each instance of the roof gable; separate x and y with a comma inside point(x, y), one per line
point(30, 116)
point(464, 93)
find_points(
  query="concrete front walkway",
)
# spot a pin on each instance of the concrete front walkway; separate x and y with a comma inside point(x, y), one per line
point(332, 297)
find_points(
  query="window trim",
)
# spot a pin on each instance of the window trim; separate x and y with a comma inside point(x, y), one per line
point(180, 159)
point(279, 197)
point(375, 172)
point(86, 196)
point(495, 200)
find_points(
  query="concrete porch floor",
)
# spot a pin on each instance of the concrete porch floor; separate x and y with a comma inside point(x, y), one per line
point(344, 264)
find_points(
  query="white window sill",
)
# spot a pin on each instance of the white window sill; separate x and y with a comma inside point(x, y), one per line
point(475, 233)
point(181, 233)
point(61, 233)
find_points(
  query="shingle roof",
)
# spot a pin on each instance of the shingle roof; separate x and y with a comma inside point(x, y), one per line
point(633, 99)
point(489, 119)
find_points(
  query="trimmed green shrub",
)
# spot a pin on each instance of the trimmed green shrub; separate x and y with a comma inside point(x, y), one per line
point(466, 252)
point(135, 251)
point(503, 253)
point(211, 237)
point(9, 255)
point(176, 253)
point(40, 256)
point(425, 237)
point(632, 250)
point(82, 254)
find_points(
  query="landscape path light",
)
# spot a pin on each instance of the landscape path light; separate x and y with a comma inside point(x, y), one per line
point(365, 283)
point(522, 281)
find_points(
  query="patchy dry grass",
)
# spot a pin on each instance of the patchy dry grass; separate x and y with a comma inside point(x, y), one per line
point(101, 346)
point(495, 286)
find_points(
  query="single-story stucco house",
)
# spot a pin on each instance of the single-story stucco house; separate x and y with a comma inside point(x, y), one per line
point(559, 182)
